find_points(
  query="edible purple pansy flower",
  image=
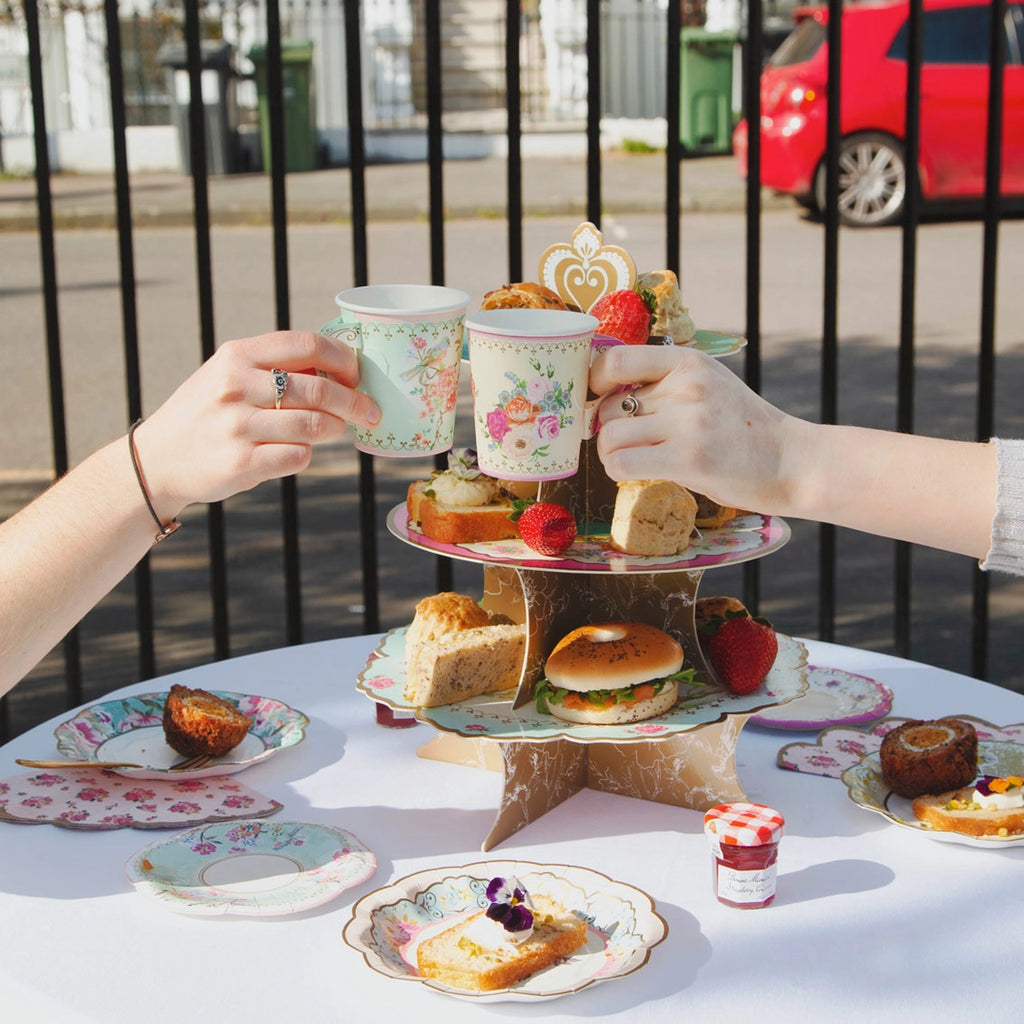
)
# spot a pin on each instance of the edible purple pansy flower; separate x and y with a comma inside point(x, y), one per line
point(510, 904)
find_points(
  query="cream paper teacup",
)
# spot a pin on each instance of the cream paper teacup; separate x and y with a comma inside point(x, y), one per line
point(409, 343)
point(529, 373)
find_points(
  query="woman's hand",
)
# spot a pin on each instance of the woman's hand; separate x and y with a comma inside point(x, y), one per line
point(695, 422)
point(220, 432)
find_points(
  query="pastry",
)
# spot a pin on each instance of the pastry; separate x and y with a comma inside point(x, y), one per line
point(920, 757)
point(652, 517)
point(197, 722)
point(710, 514)
point(671, 317)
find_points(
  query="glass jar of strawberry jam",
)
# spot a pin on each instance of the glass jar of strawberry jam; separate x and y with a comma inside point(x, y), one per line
point(744, 840)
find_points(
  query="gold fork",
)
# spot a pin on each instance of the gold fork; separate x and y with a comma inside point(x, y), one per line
point(191, 763)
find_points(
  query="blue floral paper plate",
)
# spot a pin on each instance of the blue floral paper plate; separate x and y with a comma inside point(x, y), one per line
point(131, 730)
point(254, 868)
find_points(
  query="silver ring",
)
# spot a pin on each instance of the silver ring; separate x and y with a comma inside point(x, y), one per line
point(630, 404)
point(280, 384)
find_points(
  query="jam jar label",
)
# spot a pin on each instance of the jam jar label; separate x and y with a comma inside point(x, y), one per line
point(742, 887)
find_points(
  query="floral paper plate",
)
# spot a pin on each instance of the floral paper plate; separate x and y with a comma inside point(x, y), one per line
point(623, 926)
point(491, 716)
point(254, 868)
point(834, 697)
point(716, 343)
point(868, 789)
point(745, 537)
point(132, 730)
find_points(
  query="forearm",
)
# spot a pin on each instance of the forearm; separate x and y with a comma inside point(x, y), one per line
point(64, 552)
point(925, 490)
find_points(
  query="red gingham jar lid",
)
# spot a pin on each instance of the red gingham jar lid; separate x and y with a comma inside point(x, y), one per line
point(743, 824)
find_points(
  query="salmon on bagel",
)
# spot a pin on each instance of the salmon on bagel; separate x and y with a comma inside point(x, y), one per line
point(612, 673)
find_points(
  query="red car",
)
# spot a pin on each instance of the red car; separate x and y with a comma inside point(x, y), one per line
point(954, 98)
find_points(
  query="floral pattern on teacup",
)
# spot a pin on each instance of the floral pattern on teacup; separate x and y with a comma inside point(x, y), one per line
point(530, 414)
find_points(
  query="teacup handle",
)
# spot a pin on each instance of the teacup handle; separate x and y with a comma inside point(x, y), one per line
point(346, 331)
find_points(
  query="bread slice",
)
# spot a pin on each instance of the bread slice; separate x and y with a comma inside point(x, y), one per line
point(459, 524)
point(936, 812)
point(652, 517)
point(464, 664)
point(453, 959)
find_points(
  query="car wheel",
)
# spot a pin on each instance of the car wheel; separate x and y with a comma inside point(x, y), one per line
point(872, 181)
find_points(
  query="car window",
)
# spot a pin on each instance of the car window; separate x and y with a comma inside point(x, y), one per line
point(800, 45)
point(953, 35)
point(1015, 30)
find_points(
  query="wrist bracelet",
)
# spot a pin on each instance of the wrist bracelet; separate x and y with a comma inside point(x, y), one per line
point(173, 525)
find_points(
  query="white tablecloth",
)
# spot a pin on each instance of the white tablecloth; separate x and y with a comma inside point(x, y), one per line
point(872, 921)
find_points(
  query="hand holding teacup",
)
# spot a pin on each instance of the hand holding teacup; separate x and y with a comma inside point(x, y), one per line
point(409, 343)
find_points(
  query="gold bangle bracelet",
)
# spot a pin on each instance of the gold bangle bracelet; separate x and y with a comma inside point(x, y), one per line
point(162, 530)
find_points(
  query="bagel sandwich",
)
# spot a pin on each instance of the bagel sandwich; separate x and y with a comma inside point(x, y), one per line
point(612, 673)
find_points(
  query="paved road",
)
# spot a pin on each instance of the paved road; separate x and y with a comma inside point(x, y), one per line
point(320, 263)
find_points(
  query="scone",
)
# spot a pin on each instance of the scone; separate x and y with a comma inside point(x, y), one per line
point(522, 295)
point(652, 517)
point(671, 317)
point(920, 757)
point(442, 613)
point(197, 722)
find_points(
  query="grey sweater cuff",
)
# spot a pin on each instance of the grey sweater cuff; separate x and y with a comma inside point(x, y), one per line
point(1006, 550)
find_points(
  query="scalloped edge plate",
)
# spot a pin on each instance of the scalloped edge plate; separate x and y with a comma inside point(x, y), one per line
point(866, 788)
point(834, 697)
point(491, 716)
point(746, 537)
point(252, 868)
point(131, 729)
point(623, 925)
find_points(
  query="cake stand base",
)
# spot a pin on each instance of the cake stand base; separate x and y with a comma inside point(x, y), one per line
point(695, 770)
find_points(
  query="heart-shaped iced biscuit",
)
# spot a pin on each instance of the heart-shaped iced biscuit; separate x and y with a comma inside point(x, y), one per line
point(585, 269)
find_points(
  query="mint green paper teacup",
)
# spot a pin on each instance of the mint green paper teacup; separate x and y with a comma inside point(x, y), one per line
point(409, 343)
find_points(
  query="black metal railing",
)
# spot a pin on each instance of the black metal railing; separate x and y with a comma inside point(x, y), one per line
point(368, 475)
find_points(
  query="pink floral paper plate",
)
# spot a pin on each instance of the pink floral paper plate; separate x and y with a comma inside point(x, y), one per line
point(131, 729)
point(833, 697)
point(253, 868)
point(94, 799)
point(746, 537)
point(623, 926)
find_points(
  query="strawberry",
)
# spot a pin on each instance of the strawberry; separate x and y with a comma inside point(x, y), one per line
point(626, 315)
point(544, 526)
point(741, 649)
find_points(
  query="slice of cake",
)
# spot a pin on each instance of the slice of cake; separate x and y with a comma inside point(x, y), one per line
point(496, 948)
point(463, 664)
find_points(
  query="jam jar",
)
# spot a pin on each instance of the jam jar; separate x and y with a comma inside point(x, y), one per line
point(744, 840)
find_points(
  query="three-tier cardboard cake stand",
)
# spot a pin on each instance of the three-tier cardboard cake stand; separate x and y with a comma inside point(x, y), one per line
point(685, 758)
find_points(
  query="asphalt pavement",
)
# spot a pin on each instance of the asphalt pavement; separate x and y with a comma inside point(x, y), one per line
point(551, 185)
